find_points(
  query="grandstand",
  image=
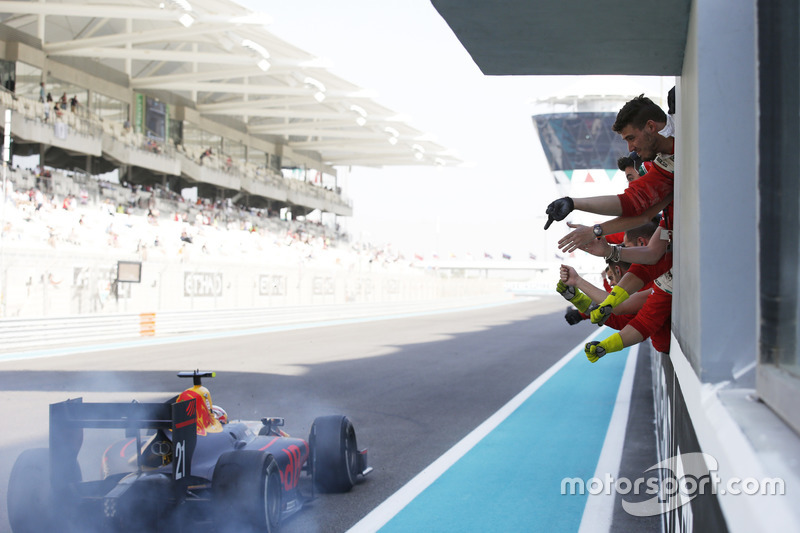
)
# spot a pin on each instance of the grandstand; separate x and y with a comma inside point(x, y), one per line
point(179, 95)
point(186, 137)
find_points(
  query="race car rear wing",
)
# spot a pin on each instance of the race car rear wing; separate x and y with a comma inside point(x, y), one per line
point(69, 418)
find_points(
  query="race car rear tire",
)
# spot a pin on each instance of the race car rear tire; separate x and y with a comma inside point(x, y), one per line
point(29, 503)
point(247, 492)
point(334, 461)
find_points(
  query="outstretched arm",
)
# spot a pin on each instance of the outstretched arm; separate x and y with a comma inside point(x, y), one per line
point(571, 277)
point(630, 306)
point(583, 235)
point(601, 205)
point(640, 255)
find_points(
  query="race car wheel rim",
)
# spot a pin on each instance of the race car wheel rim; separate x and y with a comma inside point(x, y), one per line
point(272, 496)
point(351, 462)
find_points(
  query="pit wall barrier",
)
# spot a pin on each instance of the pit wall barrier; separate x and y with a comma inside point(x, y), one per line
point(74, 297)
point(19, 334)
point(44, 284)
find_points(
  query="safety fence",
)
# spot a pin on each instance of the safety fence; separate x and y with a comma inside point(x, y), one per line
point(19, 334)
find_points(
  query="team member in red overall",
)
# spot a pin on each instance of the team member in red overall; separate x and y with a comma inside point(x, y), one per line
point(639, 123)
point(653, 317)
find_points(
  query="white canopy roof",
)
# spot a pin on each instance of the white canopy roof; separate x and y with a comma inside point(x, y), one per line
point(220, 57)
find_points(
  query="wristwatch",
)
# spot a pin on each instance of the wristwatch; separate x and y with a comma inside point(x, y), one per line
point(598, 230)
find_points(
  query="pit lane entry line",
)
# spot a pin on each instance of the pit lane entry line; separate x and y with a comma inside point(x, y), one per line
point(505, 475)
point(179, 338)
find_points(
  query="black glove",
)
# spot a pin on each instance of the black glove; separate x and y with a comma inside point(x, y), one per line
point(573, 316)
point(558, 210)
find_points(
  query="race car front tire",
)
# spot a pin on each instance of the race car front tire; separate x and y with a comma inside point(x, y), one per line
point(247, 491)
point(334, 454)
point(29, 503)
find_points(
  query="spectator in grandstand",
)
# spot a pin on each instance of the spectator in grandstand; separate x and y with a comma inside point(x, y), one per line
point(38, 199)
point(108, 207)
point(153, 146)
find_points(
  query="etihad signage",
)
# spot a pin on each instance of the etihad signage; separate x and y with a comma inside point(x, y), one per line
point(271, 285)
point(199, 284)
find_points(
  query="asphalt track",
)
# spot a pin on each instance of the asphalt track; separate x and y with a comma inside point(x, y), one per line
point(413, 386)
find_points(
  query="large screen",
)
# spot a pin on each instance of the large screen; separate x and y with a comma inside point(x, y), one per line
point(129, 271)
point(155, 119)
point(573, 141)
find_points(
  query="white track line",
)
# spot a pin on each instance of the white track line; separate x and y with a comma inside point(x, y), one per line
point(599, 510)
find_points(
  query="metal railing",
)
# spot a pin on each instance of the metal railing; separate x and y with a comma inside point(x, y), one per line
point(21, 334)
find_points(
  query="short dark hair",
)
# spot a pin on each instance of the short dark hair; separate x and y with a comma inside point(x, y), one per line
point(623, 265)
point(645, 231)
point(625, 162)
point(637, 112)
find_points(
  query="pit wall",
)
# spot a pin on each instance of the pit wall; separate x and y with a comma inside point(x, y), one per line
point(49, 283)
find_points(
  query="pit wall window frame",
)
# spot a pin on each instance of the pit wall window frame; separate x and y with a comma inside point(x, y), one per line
point(778, 373)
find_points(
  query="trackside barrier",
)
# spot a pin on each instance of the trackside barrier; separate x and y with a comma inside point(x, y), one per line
point(19, 334)
point(147, 324)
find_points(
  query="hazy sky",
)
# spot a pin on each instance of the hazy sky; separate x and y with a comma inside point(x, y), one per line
point(405, 53)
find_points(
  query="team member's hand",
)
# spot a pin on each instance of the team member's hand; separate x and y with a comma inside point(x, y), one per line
point(569, 275)
point(579, 237)
point(558, 210)
point(573, 295)
point(597, 247)
point(573, 316)
point(606, 307)
point(595, 350)
point(601, 314)
point(567, 291)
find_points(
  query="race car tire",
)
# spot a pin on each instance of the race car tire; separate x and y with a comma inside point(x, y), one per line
point(29, 505)
point(334, 461)
point(247, 492)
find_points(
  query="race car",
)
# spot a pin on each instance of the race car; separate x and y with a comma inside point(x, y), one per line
point(181, 464)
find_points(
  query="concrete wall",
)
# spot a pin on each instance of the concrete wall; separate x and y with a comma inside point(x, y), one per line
point(46, 283)
point(714, 313)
